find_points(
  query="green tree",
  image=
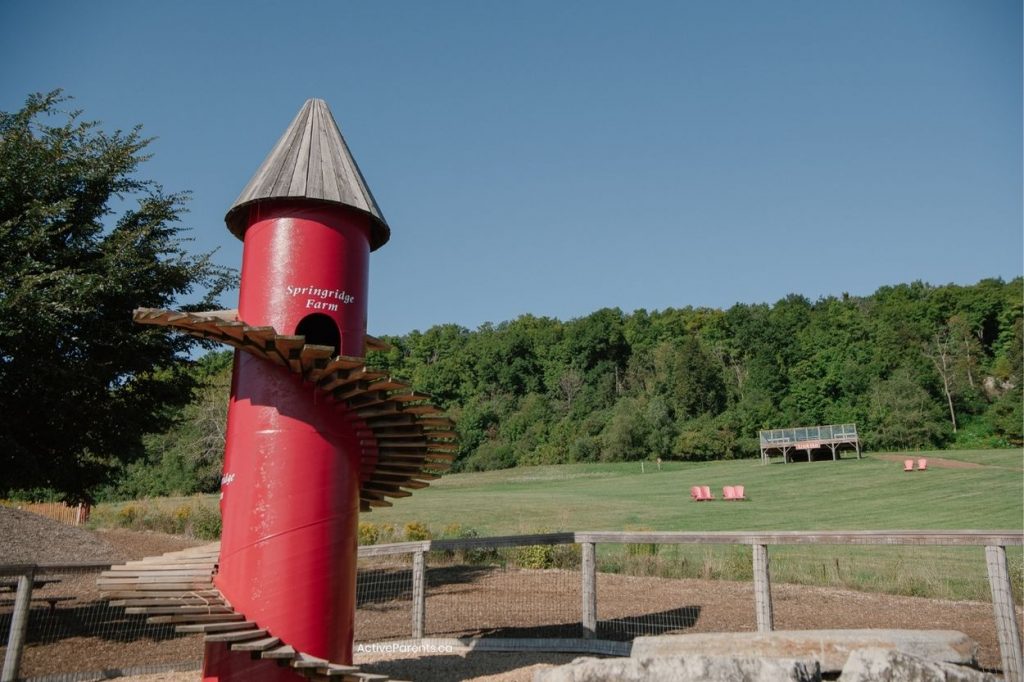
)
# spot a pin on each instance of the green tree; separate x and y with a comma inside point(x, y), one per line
point(438, 362)
point(903, 415)
point(1006, 414)
point(79, 383)
point(188, 458)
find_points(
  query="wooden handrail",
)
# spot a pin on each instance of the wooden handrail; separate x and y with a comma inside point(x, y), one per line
point(972, 538)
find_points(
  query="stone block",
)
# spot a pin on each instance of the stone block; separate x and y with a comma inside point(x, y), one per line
point(869, 665)
point(828, 648)
point(682, 669)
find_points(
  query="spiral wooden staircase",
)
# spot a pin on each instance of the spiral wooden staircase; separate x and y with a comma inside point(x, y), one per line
point(405, 443)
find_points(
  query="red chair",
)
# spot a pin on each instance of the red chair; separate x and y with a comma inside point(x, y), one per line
point(922, 464)
point(908, 465)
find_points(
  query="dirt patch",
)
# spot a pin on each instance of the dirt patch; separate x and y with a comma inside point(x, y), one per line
point(542, 606)
point(138, 545)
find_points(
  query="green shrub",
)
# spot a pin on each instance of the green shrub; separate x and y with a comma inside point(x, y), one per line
point(566, 556)
point(369, 534)
point(386, 533)
point(546, 556)
point(416, 531)
point(180, 519)
point(127, 516)
point(457, 530)
point(534, 556)
point(206, 524)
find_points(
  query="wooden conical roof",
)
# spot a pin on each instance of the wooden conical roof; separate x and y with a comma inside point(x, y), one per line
point(310, 161)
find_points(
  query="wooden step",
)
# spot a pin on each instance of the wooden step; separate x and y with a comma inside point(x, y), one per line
point(236, 636)
point(279, 653)
point(216, 627)
point(156, 573)
point(336, 670)
point(301, 661)
point(180, 610)
point(156, 594)
point(169, 601)
point(198, 618)
point(256, 644)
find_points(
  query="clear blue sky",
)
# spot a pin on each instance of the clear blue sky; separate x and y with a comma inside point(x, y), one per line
point(558, 157)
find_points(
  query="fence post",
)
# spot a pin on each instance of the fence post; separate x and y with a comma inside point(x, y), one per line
point(19, 624)
point(762, 590)
point(419, 594)
point(1005, 615)
point(588, 572)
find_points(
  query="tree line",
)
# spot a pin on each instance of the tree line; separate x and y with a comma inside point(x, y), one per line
point(915, 366)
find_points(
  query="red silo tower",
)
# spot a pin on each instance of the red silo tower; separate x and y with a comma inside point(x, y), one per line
point(314, 437)
point(290, 492)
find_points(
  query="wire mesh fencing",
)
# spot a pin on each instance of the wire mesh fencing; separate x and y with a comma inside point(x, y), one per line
point(524, 592)
point(71, 628)
point(539, 587)
point(384, 601)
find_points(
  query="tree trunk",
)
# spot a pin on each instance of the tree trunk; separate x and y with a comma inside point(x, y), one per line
point(949, 399)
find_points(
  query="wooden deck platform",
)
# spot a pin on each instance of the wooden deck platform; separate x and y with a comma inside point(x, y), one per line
point(808, 438)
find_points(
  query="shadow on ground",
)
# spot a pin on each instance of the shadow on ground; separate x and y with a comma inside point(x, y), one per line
point(454, 668)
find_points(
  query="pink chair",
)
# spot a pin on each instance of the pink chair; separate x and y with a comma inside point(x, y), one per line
point(695, 493)
point(729, 493)
point(922, 464)
point(908, 465)
point(738, 491)
point(705, 492)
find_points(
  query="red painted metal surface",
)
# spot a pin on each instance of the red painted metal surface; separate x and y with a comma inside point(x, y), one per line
point(303, 260)
point(290, 491)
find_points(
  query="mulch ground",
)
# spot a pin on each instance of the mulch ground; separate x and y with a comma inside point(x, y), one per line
point(497, 602)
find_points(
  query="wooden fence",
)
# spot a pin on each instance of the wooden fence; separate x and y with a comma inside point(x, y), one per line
point(993, 542)
point(58, 511)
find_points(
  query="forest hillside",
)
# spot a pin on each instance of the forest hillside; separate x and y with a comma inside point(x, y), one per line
point(913, 365)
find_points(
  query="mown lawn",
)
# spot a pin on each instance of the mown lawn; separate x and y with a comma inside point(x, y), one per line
point(871, 493)
point(851, 494)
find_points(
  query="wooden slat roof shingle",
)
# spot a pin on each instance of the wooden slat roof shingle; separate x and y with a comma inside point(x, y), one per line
point(311, 161)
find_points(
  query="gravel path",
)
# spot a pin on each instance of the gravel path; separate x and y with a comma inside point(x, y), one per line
point(33, 539)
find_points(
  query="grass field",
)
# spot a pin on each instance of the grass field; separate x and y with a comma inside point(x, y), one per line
point(872, 493)
point(985, 492)
point(851, 494)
